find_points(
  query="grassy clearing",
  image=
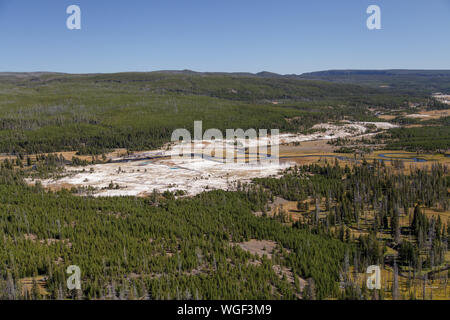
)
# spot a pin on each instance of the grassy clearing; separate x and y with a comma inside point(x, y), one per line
point(409, 288)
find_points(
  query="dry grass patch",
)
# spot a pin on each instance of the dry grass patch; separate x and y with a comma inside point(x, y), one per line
point(387, 117)
point(40, 282)
point(445, 215)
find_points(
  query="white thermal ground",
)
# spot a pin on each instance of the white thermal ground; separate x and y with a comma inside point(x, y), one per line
point(139, 178)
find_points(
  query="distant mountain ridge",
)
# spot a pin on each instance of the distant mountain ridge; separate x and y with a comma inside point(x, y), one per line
point(268, 74)
point(407, 81)
point(402, 80)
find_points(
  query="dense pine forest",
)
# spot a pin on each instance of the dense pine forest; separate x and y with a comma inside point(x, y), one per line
point(158, 248)
point(419, 139)
point(161, 247)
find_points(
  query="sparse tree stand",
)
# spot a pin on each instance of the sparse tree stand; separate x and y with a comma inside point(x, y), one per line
point(395, 292)
point(395, 226)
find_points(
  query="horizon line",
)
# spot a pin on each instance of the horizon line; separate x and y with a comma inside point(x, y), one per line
point(219, 72)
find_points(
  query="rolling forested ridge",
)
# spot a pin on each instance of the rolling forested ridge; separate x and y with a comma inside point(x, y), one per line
point(96, 113)
point(308, 233)
point(411, 82)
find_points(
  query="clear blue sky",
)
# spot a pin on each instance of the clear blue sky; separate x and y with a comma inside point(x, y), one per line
point(281, 36)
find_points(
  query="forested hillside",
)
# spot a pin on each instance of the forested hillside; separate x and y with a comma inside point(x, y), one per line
point(381, 210)
point(48, 112)
point(158, 248)
point(418, 139)
point(412, 82)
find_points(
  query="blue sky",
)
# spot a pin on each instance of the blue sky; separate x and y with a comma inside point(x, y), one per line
point(281, 36)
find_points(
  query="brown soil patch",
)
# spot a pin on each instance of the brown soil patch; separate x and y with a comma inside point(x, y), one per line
point(48, 242)
point(60, 186)
point(258, 247)
point(30, 236)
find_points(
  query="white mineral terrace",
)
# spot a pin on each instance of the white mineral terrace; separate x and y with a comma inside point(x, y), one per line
point(140, 178)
